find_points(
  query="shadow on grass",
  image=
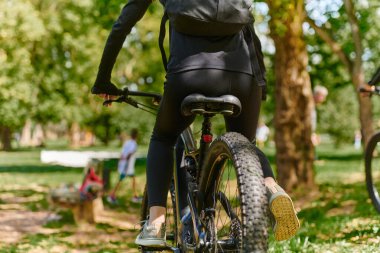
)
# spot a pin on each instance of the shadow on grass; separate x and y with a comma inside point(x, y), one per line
point(342, 157)
point(326, 151)
point(341, 211)
point(38, 168)
point(349, 156)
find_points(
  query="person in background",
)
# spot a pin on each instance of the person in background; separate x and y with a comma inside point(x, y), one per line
point(319, 94)
point(262, 134)
point(126, 167)
point(358, 140)
point(371, 85)
point(92, 184)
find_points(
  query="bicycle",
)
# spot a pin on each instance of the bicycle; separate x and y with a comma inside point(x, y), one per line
point(372, 161)
point(225, 186)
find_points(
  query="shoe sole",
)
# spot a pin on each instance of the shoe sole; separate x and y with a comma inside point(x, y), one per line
point(287, 222)
point(151, 243)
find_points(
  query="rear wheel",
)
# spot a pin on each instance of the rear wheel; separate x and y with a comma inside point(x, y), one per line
point(235, 195)
point(372, 169)
point(171, 227)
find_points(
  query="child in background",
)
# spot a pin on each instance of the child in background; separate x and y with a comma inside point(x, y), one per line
point(126, 167)
point(92, 184)
point(262, 133)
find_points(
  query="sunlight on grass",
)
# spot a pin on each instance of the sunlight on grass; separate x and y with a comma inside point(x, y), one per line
point(340, 219)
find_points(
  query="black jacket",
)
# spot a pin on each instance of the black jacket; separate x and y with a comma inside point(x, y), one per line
point(187, 52)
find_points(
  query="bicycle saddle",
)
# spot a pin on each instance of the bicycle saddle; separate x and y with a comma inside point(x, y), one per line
point(227, 105)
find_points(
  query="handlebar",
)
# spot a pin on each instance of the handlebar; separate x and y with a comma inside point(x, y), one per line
point(127, 94)
point(374, 91)
point(155, 96)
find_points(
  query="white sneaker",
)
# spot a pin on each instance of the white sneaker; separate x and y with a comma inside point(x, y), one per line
point(152, 236)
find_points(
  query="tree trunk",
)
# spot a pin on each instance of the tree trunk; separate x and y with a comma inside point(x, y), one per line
point(365, 107)
point(26, 134)
point(38, 136)
point(75, 135)
point(6, 138)
point(294, 100)
point(357, 73)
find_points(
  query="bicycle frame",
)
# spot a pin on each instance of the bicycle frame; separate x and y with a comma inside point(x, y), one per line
point(190, 150)
point(198, 156)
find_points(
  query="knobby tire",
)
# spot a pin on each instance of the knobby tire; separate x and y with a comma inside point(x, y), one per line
point(372, 154)
point(250, 206)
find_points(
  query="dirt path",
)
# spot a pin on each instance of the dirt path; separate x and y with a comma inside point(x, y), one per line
point(17, 223)
point(26, 230)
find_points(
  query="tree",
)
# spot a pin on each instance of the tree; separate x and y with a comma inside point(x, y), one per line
point(138, 67)
point(64, 63)
point(49, 56)
point(293, 95)
point(21, 27)
point(349, 49)
point(339, 120)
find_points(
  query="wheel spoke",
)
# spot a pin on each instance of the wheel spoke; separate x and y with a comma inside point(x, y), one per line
point(233, 182)
point(227, 187)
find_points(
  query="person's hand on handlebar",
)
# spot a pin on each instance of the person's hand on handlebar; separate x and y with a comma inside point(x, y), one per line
point(366, 90)
point(106, 91)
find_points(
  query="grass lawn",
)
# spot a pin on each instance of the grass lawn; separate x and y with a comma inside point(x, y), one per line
point(338, 218)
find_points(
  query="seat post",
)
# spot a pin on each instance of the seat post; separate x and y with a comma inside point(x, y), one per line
point(206, 127)
point(206, 137)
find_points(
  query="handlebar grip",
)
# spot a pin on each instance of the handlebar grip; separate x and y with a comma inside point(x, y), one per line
point(124, 91)
point(109, 89)
point(374, 90)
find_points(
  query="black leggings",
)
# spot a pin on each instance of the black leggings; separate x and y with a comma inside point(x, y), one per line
point(170, 122)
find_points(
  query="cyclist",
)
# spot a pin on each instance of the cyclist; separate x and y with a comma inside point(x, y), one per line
point(212, 66)
point(371, 85)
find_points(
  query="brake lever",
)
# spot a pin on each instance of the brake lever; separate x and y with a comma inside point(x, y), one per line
point(118, 100)
point(121, 99)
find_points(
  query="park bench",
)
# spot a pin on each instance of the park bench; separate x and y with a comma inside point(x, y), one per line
point(85, 200)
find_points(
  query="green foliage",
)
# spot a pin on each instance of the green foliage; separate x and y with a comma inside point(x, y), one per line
point(50, 53)
point(327, 69)
point(64, 61)
point(339, 119)
point(49, 56)
point(21, 27)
